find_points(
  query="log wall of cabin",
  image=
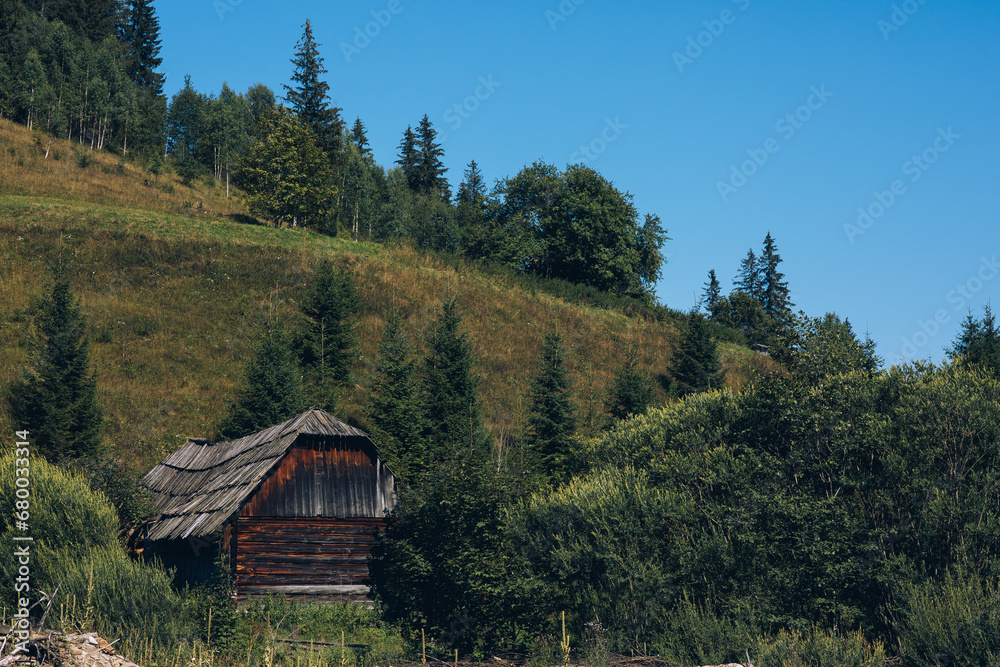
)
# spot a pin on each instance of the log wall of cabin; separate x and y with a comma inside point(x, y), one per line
point(313, 522)
point(317, 552)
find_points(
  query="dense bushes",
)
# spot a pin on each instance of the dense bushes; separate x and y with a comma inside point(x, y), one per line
point(76, 549)
point(778, 521)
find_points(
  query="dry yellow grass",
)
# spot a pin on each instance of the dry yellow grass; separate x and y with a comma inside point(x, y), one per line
point(173, 302)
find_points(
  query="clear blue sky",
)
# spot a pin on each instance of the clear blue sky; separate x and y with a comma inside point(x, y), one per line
point(821, 108)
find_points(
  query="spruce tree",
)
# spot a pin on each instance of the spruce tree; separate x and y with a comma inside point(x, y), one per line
point(748, 278)
point(978, 343)
point(551, 421)
point(271, 391)
point(698, 367)
point(408, 160)
point(331, 305)
point(395, 411)
point(470, 209)
point(712, 294)
point(56, 399)
point(774, 290)
point(140, 34)
point(308, 95)
point(360, 138)
point(451, 398)
point(430, 170)
point(472, 190)
point(632, 391)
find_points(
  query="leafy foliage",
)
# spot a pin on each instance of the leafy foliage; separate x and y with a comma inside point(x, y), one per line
point(286, 174)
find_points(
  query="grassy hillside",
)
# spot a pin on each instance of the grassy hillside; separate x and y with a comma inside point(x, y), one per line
point(175, 288)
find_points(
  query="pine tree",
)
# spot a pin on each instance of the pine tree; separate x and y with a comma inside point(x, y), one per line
point(331, 305)
point(308, 97)
point(395, 411)
point(632, 391)
point(774, 290)
point(551, 420)
point(185, 123)
point(978, 343)
point(140, 33)
point(408, 160)
point(472, 190)
point(451, 397)
point(430, 169)
point(271, 392)
point(698, 367)
point(712, 294)
point(56, 399)
point(360, 138)
point(748, 278)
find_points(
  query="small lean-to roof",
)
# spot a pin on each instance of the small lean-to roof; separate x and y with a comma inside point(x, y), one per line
point(203, 483)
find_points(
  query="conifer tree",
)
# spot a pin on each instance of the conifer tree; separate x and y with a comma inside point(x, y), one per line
point(57, 397)
point(360, 138)
point(308, 97)
point(632, 391)
point(472, 190)
point(978, 343)
point(395, 412)
point(140, 34)
point(408, 160)
point(712, 294)
point(271, 391)
point(430, 169)
point(748, 278)
point(331, 306)
point(470, 210)
point(774, 290)
point(698, 367)
point(451, 397)
point(552, 421)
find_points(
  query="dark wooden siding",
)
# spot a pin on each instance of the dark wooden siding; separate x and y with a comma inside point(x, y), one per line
point(315, 552)
point(318, 480)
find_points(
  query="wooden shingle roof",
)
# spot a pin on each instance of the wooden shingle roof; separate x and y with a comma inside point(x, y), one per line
point(203, 483)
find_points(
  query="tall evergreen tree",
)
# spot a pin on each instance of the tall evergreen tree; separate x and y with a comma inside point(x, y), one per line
point(451, 395)
point(472, 190)
point(978, 343)
point(774, 290)
point(698, 367)
point(748, 278)
point(360, 138)
point(430, 169)
point(185, 122)
point(309, 94)
point(271, 391)
point(331, 305)
point(57, 396)
point(395, 412)
point(140, 34)
point(712, 294)
point(552, 421)
point(632, 391)
point(408, 159)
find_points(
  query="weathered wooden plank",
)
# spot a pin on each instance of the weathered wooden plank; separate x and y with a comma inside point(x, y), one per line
point(306, 590)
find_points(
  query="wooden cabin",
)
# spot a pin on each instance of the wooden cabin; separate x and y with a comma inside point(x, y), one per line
point(292, 509)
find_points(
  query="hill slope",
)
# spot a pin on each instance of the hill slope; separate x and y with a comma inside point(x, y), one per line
point(173, 294)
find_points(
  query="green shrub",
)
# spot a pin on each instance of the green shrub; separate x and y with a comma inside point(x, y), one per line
point(75, 547)
point(818, 648)
point(955, 621)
